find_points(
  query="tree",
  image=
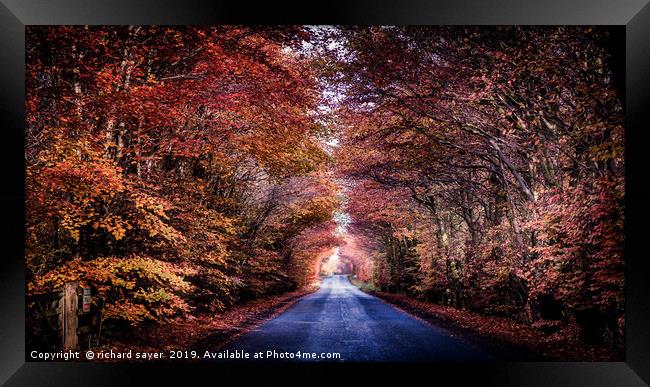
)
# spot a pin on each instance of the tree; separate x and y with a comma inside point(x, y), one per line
point(484, 132)
point(177, 169)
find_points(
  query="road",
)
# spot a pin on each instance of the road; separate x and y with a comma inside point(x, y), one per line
point(341, 318)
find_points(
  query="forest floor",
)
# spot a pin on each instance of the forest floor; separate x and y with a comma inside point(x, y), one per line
point(206, 331)
point(508, 339)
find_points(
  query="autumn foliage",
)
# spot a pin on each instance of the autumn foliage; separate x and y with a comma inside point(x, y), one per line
point(176, 170)
point(187, 169)
point(486, 164)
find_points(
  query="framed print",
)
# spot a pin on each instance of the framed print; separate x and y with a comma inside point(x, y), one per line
point(209, 189)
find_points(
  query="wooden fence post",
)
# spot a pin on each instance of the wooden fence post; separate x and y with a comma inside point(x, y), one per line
point(69, 321)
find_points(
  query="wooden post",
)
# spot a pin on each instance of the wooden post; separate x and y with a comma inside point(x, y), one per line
point(69, 316)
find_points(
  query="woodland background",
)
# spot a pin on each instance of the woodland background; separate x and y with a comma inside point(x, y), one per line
point(185, 170)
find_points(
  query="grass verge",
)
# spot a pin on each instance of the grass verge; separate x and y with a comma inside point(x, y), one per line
point(365, 286)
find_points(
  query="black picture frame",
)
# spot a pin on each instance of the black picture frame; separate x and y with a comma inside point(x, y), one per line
point(632, 15)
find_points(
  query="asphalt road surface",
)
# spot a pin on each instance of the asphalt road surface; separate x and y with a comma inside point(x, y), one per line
point(341, 318)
